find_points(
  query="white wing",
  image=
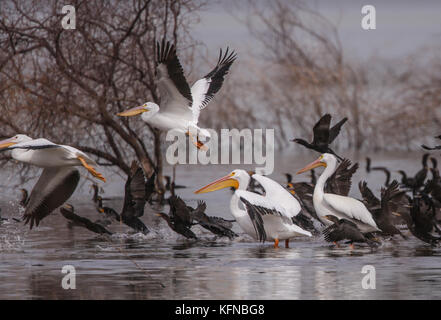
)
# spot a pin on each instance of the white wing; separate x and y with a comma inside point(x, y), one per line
point(204, 89)
point(198, 92)
point(52, 189)
point(258, 206)
point(350, 207)
point(279, 194)
point(74, 153)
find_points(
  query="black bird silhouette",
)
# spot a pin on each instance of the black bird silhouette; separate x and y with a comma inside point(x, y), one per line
point(2, 219)
point(416, 182)
point(216, 225)
point(343, 229)
point(24, 197)
point(368, 164)
point(392, 198)
point(432, 148)
point(386, 172)
point(323, 135)
point(179, 218)
point(134, 201)
point(420, 220)
point(68, 212)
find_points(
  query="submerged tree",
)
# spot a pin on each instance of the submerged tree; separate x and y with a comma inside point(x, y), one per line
point(67, 84)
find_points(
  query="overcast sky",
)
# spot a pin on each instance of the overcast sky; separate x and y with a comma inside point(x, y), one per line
point(403, 26)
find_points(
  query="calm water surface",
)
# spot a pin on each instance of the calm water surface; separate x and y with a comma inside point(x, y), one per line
point(163, 265)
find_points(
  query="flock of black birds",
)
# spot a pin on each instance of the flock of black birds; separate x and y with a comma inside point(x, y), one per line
point(415, 202)
point(139, 191)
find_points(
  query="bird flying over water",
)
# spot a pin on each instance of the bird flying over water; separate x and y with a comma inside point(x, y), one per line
point(179, 218)
point(59, 177)
point(323, 135)
point(180, 105)
point(68, 212)
point(135, 195)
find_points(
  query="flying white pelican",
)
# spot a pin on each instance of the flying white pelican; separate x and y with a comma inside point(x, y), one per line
point(266, 217)
point(332, 204)
point(59, 177)
point(180, 105)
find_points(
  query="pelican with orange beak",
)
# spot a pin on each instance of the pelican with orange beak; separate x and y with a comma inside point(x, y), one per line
point(268, 217)
point(181, 105)
point(59, 178)
point(332, 204)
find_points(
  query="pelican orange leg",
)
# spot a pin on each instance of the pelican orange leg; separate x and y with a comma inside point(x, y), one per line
point(91, 169)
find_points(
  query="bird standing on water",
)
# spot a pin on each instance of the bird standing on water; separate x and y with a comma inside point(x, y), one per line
point(268, 217)
point(343, 229)
point(382, 210)
point(342, 207)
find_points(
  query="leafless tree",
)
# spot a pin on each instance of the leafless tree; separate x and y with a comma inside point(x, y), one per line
point(67, 85)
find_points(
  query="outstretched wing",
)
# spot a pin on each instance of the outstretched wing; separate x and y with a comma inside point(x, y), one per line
point(321, 131)
point(134, 198)
point(84, 222)
point(180, 211)
point(341, 180)
point(371, 201)
point(392, 198)
point(52, 189)
point(335, 130)
point(173, 87)
point(204, 89)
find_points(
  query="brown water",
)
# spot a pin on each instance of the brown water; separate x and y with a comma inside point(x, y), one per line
point(163, 265)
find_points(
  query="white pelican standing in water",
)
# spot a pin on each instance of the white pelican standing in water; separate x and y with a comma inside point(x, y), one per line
point(336, 205)
point(180, 105)
point(59, 177)
point(266, 217)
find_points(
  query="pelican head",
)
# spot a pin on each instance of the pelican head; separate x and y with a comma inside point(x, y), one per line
point(19, 138)
point(234, 179)
point(325, 160)
point(149, 107)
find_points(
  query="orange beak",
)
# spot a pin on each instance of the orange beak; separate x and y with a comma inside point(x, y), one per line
point(312, 165)
point(6, 143)
point(221, 183)
point(133, 112)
